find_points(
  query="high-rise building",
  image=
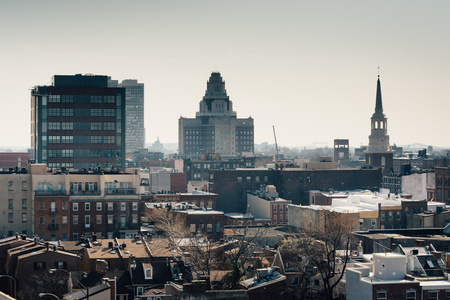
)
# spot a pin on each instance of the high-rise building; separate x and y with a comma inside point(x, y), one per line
point(216, 126)
point(134, 107)
point(379, 153)
point(78, 122)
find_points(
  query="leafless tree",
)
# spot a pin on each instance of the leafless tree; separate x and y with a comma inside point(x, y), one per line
point(324, 249)
point(32, 285)
point(243, 247)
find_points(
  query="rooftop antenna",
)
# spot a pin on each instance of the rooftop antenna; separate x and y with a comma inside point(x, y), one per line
point(378, 72)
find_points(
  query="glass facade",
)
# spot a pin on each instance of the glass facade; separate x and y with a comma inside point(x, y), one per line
point(78, 123)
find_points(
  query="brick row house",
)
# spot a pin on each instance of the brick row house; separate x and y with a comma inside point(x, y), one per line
point(68, 206)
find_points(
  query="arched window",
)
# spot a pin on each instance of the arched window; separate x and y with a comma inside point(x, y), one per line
point(383, 161)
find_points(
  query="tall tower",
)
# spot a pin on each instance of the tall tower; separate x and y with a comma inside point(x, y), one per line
point(134, 109)
point(216, 127)
point(78, 122)
point(379, 153)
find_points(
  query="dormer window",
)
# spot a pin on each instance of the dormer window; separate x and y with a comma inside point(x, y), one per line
point(148, 270)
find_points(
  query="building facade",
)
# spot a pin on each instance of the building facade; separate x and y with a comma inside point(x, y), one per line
point(15, 203)
point(78, 122)
point(134, 107)
point(379, 153)
point(216, 126)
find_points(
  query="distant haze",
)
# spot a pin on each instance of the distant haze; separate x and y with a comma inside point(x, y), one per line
point(307, 67)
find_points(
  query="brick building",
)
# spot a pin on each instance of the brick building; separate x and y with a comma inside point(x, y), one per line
point(442, 193)
point(232, 186)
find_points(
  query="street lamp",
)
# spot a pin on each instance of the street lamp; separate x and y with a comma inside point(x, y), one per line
point(48, 294)
point(15, 291)
point(51, 271)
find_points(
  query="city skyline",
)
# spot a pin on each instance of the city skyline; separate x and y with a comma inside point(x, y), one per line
point(309, 69)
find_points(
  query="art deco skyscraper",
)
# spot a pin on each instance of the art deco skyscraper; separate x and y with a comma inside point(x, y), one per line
point(216, 126)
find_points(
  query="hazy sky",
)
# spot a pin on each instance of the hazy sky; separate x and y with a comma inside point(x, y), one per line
point(307, 67)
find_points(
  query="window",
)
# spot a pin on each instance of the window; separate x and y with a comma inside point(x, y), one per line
point(108, 140)
point(67, 126)
point(54, 112)
point(447, 295)
point(274, 208)
point(135, 206)
point(24, 186)
point(75, 219)
point(87, 206)
point(54, 126)
point(432, 295)
point(96, 139)
point(381, 295)
point(410, 295)
point(75, 206)
point(39, 265)
point(67, 139)
point(99, 206)
point(87, 221)
point(239, 179)
point(10, 186)
point(108, 126)
point(108, 112)
point(139, 290)
point(24, 203)
point(24, 217)
point(391, 216)
point(10, 204)
point(67, 112)
point(110, 206)
point(99, 219)
point(193, 228)
point(75, 236)
point(134, 218)
point(64, 220)
point(67, 153)
point(10, 218)
point(64, 206)
point(96, 126)
point(110, 219)
point(399, 216)
point(256, 178)
point(308, 179)
point(123, 206)
point(41, 220)
point(383, 216)
point(60, 265)
point(249, 179)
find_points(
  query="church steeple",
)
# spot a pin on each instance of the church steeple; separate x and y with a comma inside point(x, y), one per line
point(378, 103)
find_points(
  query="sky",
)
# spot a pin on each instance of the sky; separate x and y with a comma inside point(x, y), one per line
point(309, 68)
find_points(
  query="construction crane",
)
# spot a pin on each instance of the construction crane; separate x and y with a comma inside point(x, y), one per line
point(276, 144)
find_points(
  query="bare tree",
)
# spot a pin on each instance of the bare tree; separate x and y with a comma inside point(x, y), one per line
point(324, 249)
point(244, 244)
point(32, 285)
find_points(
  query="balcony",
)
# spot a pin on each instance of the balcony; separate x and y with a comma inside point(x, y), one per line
point(82, 193)
point(53, 226)
point(49, 193)
point(120, 191)
point(53, 211)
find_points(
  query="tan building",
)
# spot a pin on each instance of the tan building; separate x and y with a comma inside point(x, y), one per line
point(15, 204)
